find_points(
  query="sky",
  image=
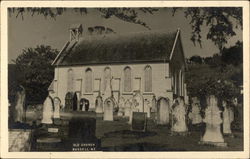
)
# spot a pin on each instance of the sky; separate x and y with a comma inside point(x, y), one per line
point(38, 30)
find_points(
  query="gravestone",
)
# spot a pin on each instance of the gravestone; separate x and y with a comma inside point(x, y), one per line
point(121, 106)
point(163, 110)
point(147, 106)
point(154, 104)
point(57, 103)
point(134, 108)
point(75, 102)
point(213, 121)
point(82, 134)
point(99, 104)
point(138, 101)
point(68, 101)
point(108, 109)
point(47, 110)
point(179, 117)
point(195, 115)
point(20, 104)
point(127, 108)
point(84, 104)
point(228, 117)
point(139, 121)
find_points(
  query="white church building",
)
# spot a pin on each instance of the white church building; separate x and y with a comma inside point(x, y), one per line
point(150, 62)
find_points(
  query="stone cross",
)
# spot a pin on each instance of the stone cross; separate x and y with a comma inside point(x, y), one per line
point(213, 121)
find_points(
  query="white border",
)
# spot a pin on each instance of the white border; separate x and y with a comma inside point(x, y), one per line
point(4, 89)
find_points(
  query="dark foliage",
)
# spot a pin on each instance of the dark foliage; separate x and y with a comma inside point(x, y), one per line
point(35, 66)
point(220, 75)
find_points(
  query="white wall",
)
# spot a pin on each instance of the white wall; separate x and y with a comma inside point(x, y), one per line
point(161, 82)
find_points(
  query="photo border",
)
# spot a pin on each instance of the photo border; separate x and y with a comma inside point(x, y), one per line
point(91, 4)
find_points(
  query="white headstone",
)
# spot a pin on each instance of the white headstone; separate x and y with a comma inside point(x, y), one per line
point(57, 103)
point(179, 117)
point(47, 111)
point(127, 108)
point(213, 120)
point(99, 104)
point(195, 115)
point(163, 110)
point(108, 109)
point(227, 118)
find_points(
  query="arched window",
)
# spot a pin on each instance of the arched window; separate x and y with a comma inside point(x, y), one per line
point(127, 80)
point(148, 79)
point(107, 76)
point(70, 82)
point(88, 80)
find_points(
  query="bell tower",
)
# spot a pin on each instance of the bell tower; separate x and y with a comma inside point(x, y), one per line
point(75, 31)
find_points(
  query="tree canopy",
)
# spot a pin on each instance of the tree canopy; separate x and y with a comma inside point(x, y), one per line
point(221, 21)
point(37, 71)
point(220, 75)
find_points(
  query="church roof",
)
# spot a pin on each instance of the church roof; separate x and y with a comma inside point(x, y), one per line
point(118, 48)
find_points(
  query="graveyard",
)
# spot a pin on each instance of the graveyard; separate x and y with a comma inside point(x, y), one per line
point(118, 134)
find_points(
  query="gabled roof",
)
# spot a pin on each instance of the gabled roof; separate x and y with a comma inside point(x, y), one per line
point(118, 48)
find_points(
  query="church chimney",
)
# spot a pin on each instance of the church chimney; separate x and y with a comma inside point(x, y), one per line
point(75, 32)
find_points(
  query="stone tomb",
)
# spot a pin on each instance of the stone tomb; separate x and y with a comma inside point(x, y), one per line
point(163, 110)
point(108, 109)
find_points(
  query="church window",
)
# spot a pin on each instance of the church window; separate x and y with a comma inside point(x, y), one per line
point(70, 82)
point(88, 80)
point(127, 80)
point(107, 76)
point(148, 79)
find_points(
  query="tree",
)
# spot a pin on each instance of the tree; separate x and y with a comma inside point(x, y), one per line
point(196, 59)
point(35, 65)
point(221, 21)
point(233, 55)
